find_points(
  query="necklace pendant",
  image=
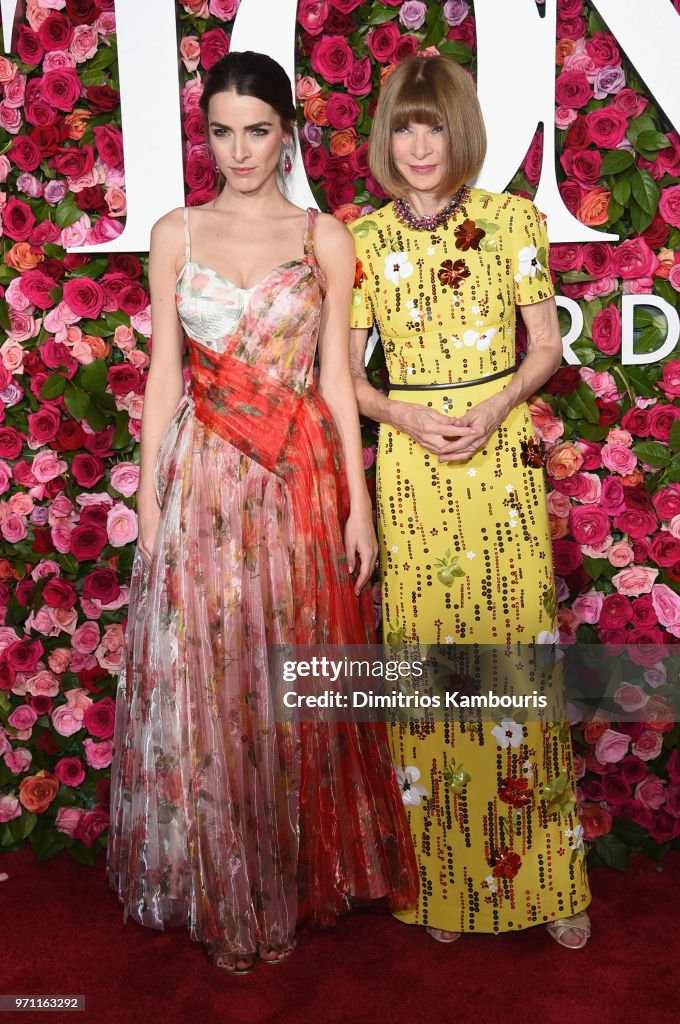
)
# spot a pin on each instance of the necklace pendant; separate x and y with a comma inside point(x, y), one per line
point(406, 216)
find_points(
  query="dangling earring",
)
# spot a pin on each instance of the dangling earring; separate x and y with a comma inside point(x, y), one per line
point(287, 164)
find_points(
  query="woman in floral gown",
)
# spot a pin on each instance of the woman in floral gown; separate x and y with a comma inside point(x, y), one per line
point(465, 542)
point(225, 816)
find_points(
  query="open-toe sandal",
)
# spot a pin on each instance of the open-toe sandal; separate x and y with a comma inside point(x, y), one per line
point(233, 963)
point(441, 935)
point(579, 923)
point(276, 952)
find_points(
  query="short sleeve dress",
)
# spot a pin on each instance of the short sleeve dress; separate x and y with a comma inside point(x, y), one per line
point(466, 558)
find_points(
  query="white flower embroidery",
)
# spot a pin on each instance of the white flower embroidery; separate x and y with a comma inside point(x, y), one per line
point(480, 341)
point(576, 834)
point(397, 266)
point(548, 637)
point(508, 733)
point(490, 883)
point(528, 770)
point(509, 487)
point(410, 792)
point(394, 549)
point(470, 555)
point(528, 262)
point(448, 639)
point(472, 472)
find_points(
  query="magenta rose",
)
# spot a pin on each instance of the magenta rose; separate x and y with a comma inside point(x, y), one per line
point(616, 612)
point(122, 378)
point(74, 162)
point(24, 655)
point(87, 542)
point(583, 164)
point(87, 470)
point(664, 827)
point(669, 205)
point(109, 142)
point(572, 89)
point(633, 258)
point(661, 420)
point(61, 88)
point(332, 58)
point(666, 502)
point(382, 41)
point(606, 127)
point(84, 296)
point(58, 593)
point(598, 259)
point(589, 524)
point(664, 549)
point(616, 790)
point(636, 420)
point(358, 80)
point(607, 331)
point(312, 14)
point(90, 825)
point(101, 585)
point(566, 256)
point(214, 45)
point(602, 50)
point(25, 153)
point(635, 523)
point(70, 771)
point(315, 159)
point(99, 718)
point(56, 32)
point(633, 769)
point(44, 424)
point(200, 168)
point(567, 556)
point(11, 443)
point(342, 111)
point(29, 49)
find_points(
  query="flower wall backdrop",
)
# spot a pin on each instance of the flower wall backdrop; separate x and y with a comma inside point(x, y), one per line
point(75, 349)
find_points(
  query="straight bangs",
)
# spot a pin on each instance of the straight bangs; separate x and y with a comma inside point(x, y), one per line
point(417, 103)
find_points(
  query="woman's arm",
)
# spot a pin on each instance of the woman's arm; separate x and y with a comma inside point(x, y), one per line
point(165, 383)
point(335, 252)
point(426, 426)
point(544, 355)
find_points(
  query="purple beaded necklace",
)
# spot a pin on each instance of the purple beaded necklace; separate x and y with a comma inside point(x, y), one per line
point(406, 216)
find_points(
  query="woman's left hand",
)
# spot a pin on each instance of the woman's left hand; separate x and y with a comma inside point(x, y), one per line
point(361, 547)
point(484, 418)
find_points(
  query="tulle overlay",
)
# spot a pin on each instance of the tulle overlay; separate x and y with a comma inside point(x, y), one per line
point(222, 816)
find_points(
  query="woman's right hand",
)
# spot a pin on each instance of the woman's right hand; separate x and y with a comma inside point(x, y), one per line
point(431, 429)
point(148, 515)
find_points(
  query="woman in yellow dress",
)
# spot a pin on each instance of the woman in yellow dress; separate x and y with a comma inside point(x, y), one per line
point(465, 544)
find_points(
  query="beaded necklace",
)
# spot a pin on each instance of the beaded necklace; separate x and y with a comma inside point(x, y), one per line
point(406, 216)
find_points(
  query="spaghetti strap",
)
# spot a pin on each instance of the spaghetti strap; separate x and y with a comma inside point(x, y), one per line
point(187, 237)
point(310, 224)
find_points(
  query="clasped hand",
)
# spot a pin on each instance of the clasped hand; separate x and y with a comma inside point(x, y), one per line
point(451, 438)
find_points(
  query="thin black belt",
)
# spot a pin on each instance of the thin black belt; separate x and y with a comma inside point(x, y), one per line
point(457, 384)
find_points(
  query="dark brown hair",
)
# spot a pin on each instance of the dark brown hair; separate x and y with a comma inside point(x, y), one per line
point(429, 90)
point(251, 74)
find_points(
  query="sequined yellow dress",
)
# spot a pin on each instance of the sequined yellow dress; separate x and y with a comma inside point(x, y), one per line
point(466, 559)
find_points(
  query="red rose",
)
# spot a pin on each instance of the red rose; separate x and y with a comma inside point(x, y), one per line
point(43, 425)
point(578, 581)
point(109, 143)
point(70, 436)
point(616, 612)
point(56, 32)
point(87, 469)
point(99, 718)
point(214, 45)
point(664, 827)
point(633, 258)
point(24, 655)
point(596, 821)
point(632, 769)
point(82, 12)
point(332, 58)
point(358, 80)
point(102, 98)
point(359, 161)
point(101, 585)
point(382, 41)
point(598, 259)
point(571, 28)
point(194, 126)
point(84, 296)
point(69, 771)
point(125, 264)
point(572, 89)
point(577, 135)
point(615, 789)
point(94, 515)
point(588, 524)
point(47, 743)
point(91, 825)
point(465, 33)
point(38, 112)
point(342, 111)
point(89, 677)
point(46, 231)
point(132, 299)
point(24, 591)
point(74, 161)
point(656, 234)
point(664, 549)
point(58, 593)
point(583, 164)
point(566, 256)
point(607, 333)
point(61, 88)
point(87, 542)
point(666, 502)
point(25, 153)
point(636, 524)
point(47, 138)
point(572, 193)
point(104, 792)
point(610, 413)
point(602, 50)
point(566, 380)
point(29, 48)
point(92, 199)
point(100, 442)
point(315, 159)
point(606, 127)
point(11, 443)
point(405, 47)
point(339, 192)
point(200, 168)
point(42, 541)
point(17, 219)
point(637, 498)
point(345, 6)
point(661, 420)
point(635, 420)
point(122, 378)
point(337, 24)
point(567, 556)
point(644, 613)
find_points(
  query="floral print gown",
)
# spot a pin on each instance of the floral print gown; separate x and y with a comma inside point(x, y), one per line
point(466, 558)
point(224, 817)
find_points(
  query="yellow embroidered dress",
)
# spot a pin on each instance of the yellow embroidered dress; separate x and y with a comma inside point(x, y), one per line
point(466, 559)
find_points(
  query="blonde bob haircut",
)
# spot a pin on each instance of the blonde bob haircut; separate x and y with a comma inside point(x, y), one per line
point(428, 90)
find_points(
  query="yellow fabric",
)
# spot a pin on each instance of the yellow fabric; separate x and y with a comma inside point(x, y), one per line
point(466, 558)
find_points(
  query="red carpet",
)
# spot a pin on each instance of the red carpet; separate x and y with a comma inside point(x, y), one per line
point(62, 934)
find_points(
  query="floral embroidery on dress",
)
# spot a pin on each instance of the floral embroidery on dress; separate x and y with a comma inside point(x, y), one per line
point(397, 266)
point(453, 273)
point(468, 235)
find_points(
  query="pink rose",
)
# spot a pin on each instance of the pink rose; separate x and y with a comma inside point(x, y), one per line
point(651, 792)
point(635, 581)
point(65, 721)
point(667, 607)
point(121, 525)
point(587, 607)
point(648, 745)
point(633, 258)
point(68, 819)
point(589, 524)
point(19, 760)
point(10, 808)
point(332, 58)
point(86, 638)
point(312, 15)
point(630, 697)
point(618, 458)
point(607, 330)
point(606, 127)
point(98, 755)
point(47, 466)
point(620, 554)
point(611, 747)
point(13, 528)
point(669, 205)
point(125, 478)
point(22, 718)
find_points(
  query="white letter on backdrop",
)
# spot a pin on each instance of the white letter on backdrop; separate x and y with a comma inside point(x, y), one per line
point(575, 328)
point(629, 357)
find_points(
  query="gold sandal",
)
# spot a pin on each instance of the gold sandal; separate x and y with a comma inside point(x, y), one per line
point(579, 923)
point(235, 958)
point(438, 934)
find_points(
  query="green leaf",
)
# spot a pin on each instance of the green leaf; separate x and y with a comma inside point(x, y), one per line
point(96, 328)
point(580, 405)
point(380, 15)
point(104, 58)
point(92, 377)
point(4, 316)
point(92, 269)
point(616, 161)
point(649, 340)
point(674, 437)
point(614, 210)
point(641, 380)
point(82, 854)
point(652, 141)
point(612, 852)
point(672, 474)
point(639, 218)
point(621, 191)
point(595, 567)
point(117, 319)
point(461, 53)
point(67, 212)
point(53, 386)
point(593, 432)
point(46, 840)
point(77, 402)
point(666, 291)
point(95, 417)
point(645, 190)
point(121, 433)
point(654, 453)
